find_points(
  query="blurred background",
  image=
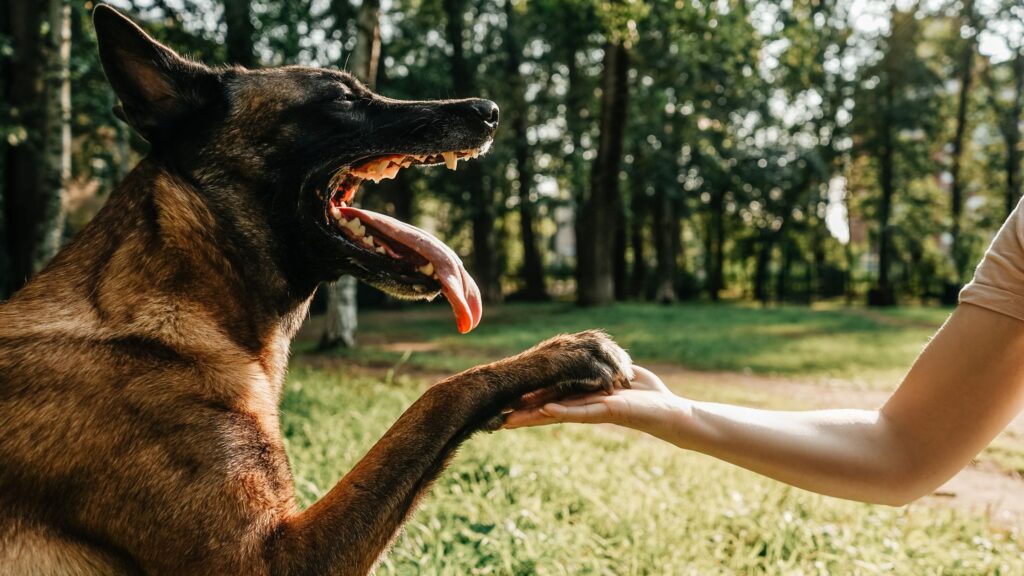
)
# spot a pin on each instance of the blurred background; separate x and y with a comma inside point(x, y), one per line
point(771, 202)
point(772, 151)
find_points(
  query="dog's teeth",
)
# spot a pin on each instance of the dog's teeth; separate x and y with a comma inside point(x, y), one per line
point(335, 212)
point(450, 160)
point(368, 240)
point(392, 171)
point(354, 225)
point(419, 288)
point(380, 250)
point(427, 269)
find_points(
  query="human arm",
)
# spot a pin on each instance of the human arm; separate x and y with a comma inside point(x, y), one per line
point(961, 392)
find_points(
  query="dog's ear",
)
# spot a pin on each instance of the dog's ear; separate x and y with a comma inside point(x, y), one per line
point(155, 85)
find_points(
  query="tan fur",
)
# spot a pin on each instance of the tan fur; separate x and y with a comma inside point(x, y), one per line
point(141, 436)
point(141, 373)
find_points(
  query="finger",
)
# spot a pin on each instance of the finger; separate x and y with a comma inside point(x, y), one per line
point(527, 418)
point(593, 413)
point(646, 380)
point(535, 416)
point(592, 398)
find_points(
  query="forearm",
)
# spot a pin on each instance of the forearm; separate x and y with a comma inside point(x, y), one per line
point(854, 454)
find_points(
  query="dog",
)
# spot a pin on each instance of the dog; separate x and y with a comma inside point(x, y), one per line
point(140, 372)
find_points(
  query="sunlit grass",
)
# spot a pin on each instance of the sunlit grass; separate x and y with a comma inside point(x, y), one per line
point(870, 348)
point(573, 500)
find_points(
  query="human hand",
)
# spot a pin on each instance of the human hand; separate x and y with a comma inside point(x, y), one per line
point(648, 405)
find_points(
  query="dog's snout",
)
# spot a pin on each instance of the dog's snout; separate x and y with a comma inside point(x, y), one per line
point(487, 110)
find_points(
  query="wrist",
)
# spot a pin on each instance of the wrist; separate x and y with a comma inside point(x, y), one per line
point(672, 422)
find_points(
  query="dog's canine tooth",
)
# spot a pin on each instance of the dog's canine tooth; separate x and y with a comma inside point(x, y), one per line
point(427, 269)
point(450, 160)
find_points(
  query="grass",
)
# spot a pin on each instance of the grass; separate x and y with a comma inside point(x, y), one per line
point(573, 500)
point(869, 348)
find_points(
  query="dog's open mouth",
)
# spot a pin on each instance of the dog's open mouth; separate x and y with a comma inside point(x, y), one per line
point(424, 264)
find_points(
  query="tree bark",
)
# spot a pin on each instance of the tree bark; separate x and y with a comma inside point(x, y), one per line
point(665, 240)
point(240, 33)
point(485, 258)
point(599, 222)
point(640, 209)
point(619, 276)
point(1011, 135)
point(884, 293)
point(342, 317)
point(533, 266)
point(761, 267)
point(715, 245)
point(957, 251)
point(366, 56)
point(38, 168)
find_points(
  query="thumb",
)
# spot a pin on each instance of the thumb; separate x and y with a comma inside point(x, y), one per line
point(593, 413)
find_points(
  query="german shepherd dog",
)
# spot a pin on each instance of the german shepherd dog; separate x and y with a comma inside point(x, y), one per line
point(140, 373)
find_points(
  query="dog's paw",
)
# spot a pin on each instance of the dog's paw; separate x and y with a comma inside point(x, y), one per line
point(580, 363)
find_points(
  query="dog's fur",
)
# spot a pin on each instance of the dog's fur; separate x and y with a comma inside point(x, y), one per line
point(140, 373)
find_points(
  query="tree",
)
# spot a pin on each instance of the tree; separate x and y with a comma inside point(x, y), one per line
point(38, 166)
point(239, 37)
point(533, 265)
point(1008, 109)
point(342, 315)
point(482, 214)
point(599, 215)
point(965, 72)
point(896, 113)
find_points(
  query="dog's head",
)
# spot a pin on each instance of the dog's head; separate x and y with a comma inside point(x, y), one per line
point(281, 153)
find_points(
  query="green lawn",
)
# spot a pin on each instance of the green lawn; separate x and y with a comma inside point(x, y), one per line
point(867, 347)
point(574, 500)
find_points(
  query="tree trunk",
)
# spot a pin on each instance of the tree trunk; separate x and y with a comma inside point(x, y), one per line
point(240, 32)
point(533, 266)
point(666, 238)
point(715, 245)
point(957, 251)
point(485, 258)
point(761, 268)
point(1011, 135)
point(639, 203)
point(575, 101)
point(38, 168)
point(598, 225)
point(366, 56)
point(782, 280)
point(342, 317)
point(883, 294)
point(619, 276)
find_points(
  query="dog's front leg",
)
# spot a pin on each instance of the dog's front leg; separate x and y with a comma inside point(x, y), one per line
point(348, 529)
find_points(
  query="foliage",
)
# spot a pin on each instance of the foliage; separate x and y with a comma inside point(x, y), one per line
point(753, 127)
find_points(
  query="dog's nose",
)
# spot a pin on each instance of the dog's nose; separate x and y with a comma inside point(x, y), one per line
point(487, 110)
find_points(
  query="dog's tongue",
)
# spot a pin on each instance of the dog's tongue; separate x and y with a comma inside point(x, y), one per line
point(458, 286)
